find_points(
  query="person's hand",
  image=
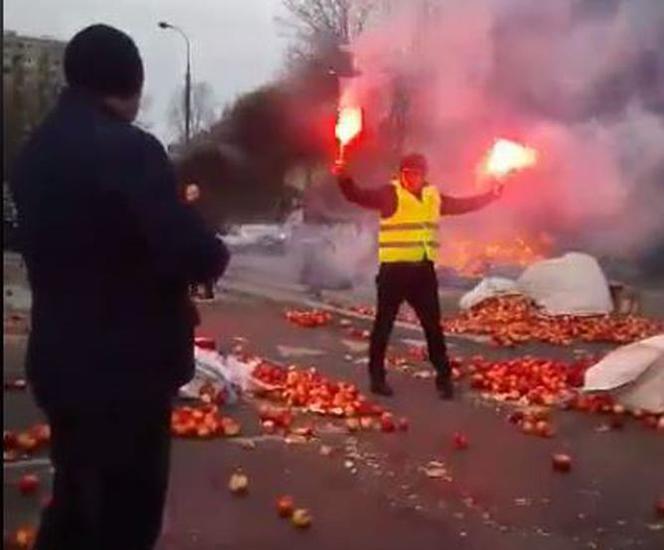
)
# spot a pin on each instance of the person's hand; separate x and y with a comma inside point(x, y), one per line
point(339, 168)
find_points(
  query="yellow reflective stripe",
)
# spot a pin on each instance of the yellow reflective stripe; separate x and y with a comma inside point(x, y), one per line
point(414, 244)
point(418, 236)
point(386, 226)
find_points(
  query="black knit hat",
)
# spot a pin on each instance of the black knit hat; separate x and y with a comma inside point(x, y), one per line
point(414, 161)
point(104, 61)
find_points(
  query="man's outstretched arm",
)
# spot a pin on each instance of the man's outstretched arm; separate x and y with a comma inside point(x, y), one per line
point(451, 206)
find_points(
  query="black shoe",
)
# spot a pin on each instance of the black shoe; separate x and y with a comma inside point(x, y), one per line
point(381, 388)
point(445, 387)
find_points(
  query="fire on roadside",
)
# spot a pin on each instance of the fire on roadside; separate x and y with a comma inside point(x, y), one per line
point(471, 257)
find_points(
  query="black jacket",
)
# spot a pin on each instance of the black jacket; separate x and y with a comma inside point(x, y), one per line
point(110, 252)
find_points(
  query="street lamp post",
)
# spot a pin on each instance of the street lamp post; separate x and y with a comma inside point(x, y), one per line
point(187, 80)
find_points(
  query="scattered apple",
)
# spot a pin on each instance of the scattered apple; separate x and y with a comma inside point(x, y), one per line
point(659, 507)
point(238, 483)
point(353, 424)
point(26, 442)
point(285, 506)
point(387, 423)
point(229, 427)
point(562, 462)
point(460, 441)
point(367, 423)
point(28, 484)
point(42, 433)
point(268, 426)
point(301, 518)
point(10, 456)
point(9, 440)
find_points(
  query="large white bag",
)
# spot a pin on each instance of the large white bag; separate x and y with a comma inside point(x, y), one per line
point(573, 284)
point(634, 374)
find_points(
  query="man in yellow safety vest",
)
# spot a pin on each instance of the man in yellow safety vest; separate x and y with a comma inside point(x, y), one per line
point(410, 209)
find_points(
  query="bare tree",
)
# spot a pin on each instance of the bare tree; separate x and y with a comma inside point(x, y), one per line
point(203, 104)
point(321, 25)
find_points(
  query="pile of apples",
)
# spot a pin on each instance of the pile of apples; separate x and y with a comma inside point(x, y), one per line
point(308, 318)
point(616, 412)
point(313, 392)
point(25, 442)
point(202, 422)
point(512, 320)
point(386, 423)
point(526, 380)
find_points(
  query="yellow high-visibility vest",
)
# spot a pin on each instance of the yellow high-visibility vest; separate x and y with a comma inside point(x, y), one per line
point(411, 233)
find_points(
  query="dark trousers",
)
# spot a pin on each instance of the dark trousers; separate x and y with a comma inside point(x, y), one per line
point(111, 475)
point(416, 284)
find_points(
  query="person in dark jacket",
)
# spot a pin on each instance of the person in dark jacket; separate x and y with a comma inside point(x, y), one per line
point(110, 253)
point(192, 196)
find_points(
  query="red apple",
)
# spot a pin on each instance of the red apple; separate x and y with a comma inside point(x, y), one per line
point(403, 424)
point(285, 506)
point(353, 424)
point(9, 440)
point(28, 484)
point(460, 441)
point(650, 422)
point(367, 423)
point(268, 426)
point(659, 507)
point(26, 442)
point(527, 427)
point(387, 423)
point(42, 433)
point(562, 462)
point(229, 427)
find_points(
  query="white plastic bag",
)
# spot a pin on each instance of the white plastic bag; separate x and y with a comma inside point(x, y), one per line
point(488, 288)
point(573, 284)
point(634, 374)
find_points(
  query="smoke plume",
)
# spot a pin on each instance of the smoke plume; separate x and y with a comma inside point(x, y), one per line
point(581, 81)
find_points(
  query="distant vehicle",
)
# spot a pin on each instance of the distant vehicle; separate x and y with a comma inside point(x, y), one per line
point(265, 237)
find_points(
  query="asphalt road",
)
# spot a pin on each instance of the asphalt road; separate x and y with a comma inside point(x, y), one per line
point(371, 492)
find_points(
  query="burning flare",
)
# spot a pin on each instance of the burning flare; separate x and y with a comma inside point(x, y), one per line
point(508, 156)
point(349, 124)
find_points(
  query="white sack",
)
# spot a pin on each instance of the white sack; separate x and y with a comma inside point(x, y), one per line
point(634, 374)
point(573, 284)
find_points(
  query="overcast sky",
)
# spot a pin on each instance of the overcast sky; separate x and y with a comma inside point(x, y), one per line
point(236, 44)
